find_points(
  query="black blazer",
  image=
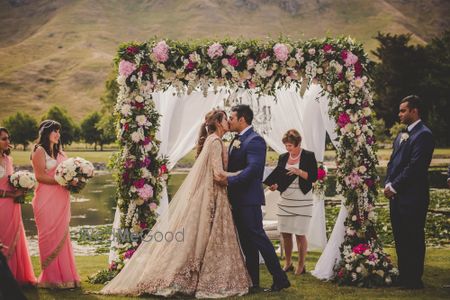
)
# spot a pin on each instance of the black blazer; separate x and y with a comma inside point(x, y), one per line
point(308, 164)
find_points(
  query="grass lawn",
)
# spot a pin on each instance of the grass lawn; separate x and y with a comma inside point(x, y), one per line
point(437, 274)
point(22, 158)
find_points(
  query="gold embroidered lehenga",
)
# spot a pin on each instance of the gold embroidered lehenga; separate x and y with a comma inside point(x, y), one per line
point(207, 262)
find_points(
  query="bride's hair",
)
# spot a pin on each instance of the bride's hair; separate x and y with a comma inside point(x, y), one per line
point(209, 126)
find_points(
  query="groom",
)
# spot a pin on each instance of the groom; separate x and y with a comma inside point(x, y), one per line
point(247, 154)
point(408, 190)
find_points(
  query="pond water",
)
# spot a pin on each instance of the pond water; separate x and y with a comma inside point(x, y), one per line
point(95, 205)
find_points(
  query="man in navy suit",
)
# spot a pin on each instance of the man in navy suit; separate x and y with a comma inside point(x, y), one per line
point(247, 154)
point(408, 190)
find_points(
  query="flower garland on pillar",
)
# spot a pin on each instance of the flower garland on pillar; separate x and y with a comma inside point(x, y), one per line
point(339, 65)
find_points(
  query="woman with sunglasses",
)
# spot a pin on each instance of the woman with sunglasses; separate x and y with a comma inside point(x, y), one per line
point(51, 206)
point(12, 233)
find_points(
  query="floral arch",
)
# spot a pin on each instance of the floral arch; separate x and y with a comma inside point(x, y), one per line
point(339, 65)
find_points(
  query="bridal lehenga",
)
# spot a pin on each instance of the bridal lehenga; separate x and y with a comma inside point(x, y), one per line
point(193, 249)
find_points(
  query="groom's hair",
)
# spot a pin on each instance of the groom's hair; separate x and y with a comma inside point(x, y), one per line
point(245, 111)
point(413, 101)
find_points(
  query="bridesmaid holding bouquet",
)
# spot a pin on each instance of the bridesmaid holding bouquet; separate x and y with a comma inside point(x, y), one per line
point(12, 233)
point(51, 206)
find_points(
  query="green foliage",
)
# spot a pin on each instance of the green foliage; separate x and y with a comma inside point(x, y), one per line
point(23, 129)
point(380, 130)
point(97, 130)
point(396, 128)
point(69, 129)
point(405, 69)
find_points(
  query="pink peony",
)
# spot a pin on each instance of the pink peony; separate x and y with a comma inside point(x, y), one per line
point(126, 68)
point(233, 61)
point(146, 192)
point(163, 169)
point(327, 48)
point(281, 52)
point(343, 119)
point(353, 180)
point(161, 51)
point(349, 58)
point(215, 50)
point(251, 84)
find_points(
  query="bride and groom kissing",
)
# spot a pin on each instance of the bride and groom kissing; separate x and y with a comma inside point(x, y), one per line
point(219, 208)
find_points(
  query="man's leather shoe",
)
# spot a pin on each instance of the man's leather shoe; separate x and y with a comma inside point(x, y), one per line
point(277, 287)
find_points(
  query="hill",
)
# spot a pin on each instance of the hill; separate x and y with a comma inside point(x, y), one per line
point(60, 51)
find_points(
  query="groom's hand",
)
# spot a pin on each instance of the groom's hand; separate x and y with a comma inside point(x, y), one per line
point(222, 179)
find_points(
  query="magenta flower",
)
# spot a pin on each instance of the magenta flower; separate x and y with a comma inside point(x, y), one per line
point(359, 249)
point(139, 183)
point(321, 174)
point(161, 51)
point(327, 48)
point(358, 69)
point(129, 253)
point(191, 65)
point(369, 182)
point(146, 162)
point(147, 140)
point(343, 119)
point(132, 50)
point(129, 163)
point(126, 68)
point(233, 61)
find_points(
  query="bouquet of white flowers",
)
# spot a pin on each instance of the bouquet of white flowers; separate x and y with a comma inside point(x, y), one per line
point(22, 180)
point(73, 173)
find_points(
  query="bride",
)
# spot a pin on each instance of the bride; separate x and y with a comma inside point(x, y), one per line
point(207, 262)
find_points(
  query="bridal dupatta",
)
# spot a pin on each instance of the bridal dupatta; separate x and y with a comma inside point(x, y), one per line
point(205, 263)
point(51, 206)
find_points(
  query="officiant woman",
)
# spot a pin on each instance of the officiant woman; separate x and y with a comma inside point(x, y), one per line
point(296, 202)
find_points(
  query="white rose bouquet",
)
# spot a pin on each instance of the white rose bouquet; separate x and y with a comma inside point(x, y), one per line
point(22, 180)
point(74, 173)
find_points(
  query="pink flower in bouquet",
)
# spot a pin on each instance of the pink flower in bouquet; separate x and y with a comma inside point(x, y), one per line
point(370, 140)
point(349, 58)
point(263, 55)
point(143, 225)
point(144, 69)
point(132, 50)
point(146, 192)
point(281, 52)
point(161, 51)
point(360, 249)
point(353, 180)
point(112, 266)
point(341, 273)
point(139, 183)
point(327, 48)
point(153, 206)
point(129, 253)
point(343, 119)
point(321, 174)
point(233, 61)
point(129, 163)
point(147, 140)
point(341, 76)
point(215, 50)
point(369, 182)
point(126, 68)
point(251, 64)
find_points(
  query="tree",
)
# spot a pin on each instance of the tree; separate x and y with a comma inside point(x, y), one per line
point(89, 132)
point(23, 129)
point(107, 126)
point(68, 127)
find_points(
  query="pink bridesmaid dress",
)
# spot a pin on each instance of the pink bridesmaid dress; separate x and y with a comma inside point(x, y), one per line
point(12, 233)
point(51, 206)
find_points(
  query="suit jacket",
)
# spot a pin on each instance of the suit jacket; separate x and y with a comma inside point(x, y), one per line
point(308, 164)
point(408, 170)
point(245, 189)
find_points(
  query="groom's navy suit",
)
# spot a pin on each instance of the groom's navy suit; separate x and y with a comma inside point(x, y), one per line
point(408, 174)
point(246, 195)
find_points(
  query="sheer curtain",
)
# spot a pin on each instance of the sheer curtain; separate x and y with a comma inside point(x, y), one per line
point(180, 121)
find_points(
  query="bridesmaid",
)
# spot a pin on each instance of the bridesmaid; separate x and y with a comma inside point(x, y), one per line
point(12, 233)
point(51, 205)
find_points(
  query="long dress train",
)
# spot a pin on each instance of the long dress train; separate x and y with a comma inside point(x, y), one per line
point(199, 254)
point(51, 206)
point(12, 233)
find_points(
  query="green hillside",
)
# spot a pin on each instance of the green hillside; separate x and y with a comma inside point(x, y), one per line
point(60, 51)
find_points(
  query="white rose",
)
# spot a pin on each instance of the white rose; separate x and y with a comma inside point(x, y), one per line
point(362, 169)
point(367, 111)
point(352, 100)
point(358, 270)
point(135, 137)
point(312, 51)
point(358, 82)
point(125, 110)
point(139, 99)
point(354, 218)
point(230, 50)
point(141, 120)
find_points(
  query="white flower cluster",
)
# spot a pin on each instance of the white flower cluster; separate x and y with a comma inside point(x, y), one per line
point(74, 169)
point(23, 180)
